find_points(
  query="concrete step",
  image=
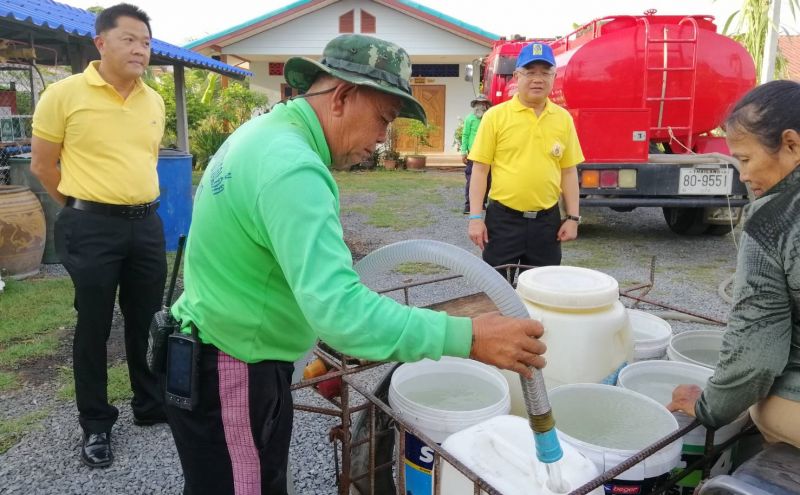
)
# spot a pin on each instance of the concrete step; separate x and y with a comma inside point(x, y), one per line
point(443, 160)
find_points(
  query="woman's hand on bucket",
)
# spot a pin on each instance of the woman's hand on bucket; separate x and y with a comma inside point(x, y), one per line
point(684, 398)
point(508, 343)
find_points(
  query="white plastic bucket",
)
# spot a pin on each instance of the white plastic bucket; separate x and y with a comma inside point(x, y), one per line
point(699, 347)
point(584, 322)
point(610, 424)
point(435, 397)
point(657, 379)
point(650, 333)
point(501, 450)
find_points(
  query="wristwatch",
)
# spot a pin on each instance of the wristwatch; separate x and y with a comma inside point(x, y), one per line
point(573, 217)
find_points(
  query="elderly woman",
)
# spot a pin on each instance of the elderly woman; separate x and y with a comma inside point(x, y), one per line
point(759, 365)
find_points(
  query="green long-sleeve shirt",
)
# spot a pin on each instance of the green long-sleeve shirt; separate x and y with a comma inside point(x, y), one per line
point(469, 132)
point(267, 270)
point(761, 348)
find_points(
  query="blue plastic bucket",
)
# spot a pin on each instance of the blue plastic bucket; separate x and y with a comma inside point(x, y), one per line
point(175, 182)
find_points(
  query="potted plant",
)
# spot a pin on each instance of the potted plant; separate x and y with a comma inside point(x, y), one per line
point(389, 159)
point(420, 133)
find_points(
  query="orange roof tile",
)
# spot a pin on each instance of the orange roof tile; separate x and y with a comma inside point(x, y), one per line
point(790, 49)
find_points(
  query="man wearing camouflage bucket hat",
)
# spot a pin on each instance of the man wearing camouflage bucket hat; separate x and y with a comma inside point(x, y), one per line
point(267, 270)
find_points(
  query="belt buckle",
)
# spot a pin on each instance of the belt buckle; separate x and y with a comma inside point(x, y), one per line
point(530, 214)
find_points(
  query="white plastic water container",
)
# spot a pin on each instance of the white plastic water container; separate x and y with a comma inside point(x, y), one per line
point(610, 424)
point(650, 333)
point(501, 450)
point(585, 327)
point(441, 398)
point(657, 380)
point(699, 347)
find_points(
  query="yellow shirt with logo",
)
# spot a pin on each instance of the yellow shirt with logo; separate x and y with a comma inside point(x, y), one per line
point(109, 144)
point(526, 153)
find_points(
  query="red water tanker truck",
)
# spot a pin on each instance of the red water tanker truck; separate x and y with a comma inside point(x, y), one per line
point(645, 93)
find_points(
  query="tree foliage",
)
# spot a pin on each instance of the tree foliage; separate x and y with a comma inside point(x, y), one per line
point(752, 23)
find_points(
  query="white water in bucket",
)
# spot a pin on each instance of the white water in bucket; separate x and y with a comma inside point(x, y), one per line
point(657, 380)
point(609, 424)
point(441, 398)
point(501, 450)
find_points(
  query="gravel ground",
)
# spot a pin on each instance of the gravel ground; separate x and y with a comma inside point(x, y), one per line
point(46, 461)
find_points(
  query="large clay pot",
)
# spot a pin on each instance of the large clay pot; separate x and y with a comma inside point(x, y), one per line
point(22, 232)
point(415, 162)
point(21, 176)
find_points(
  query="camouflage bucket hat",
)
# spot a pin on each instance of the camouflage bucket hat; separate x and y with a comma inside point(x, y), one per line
point(364, 61)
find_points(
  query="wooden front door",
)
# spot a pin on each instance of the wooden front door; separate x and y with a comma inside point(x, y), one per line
point(432, 100)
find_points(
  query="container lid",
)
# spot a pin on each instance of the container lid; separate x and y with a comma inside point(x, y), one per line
point(649, 329)
point(568, 287)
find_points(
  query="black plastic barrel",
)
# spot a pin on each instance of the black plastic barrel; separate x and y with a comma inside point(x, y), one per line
point(20, 175)
point(175, 183)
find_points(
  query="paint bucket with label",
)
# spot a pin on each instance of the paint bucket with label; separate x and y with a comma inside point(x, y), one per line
point(611, 424)
point(440, 398)
point(657, 380)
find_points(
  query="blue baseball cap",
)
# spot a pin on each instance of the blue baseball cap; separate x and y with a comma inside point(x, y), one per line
point(536, 52)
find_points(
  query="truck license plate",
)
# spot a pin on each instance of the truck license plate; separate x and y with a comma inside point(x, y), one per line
point(705, 181)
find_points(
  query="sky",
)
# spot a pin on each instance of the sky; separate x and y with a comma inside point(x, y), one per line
point(181, 21)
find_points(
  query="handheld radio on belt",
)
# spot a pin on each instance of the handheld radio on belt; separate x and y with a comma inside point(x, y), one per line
point(163, 323)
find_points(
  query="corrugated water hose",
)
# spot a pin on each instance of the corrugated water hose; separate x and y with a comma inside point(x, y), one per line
point(485, 278)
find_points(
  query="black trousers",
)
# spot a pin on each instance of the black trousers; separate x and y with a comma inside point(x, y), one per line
point(236, 440)
point(468, 175)
point(103, 253)
point(526, 241)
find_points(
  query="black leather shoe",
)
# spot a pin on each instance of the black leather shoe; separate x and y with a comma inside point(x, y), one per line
point(96, 450)
point(149, 421)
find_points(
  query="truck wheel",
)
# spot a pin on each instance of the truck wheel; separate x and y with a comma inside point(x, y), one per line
point(718, 230)
point(685, 221)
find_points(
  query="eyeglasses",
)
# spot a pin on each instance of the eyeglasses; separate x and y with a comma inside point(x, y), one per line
point(532, 74)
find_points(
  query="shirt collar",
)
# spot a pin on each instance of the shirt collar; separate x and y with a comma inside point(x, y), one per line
point(302, 109)
point(517, 105)
point(94, 78)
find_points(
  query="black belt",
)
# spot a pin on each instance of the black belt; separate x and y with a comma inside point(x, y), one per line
point(130, 212)
point(523, 214)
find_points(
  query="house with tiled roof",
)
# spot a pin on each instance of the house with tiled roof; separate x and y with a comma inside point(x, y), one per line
point(440, 47)
point(790, 49)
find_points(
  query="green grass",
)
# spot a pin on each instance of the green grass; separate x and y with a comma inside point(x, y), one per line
point(8, 381)
point(33, 313)
point(419, 269)
point(196, 176)
point(11, 430)
point(394, 199)
point(119, 385)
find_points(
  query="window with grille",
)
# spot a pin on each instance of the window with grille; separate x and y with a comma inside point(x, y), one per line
point(434, 70)
point(276, 68)
point(367, 22)
point(346, 22)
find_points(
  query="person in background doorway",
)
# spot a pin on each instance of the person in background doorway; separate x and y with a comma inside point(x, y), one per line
point(105, 127)
point(267, 270)
point(532, 149)
point(479, 106)
point(759, 364)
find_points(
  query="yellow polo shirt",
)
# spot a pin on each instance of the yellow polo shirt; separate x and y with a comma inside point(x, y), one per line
point(526, 153)
point(109, 145)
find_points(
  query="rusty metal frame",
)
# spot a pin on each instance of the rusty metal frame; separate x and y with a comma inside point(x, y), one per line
point(341, 436)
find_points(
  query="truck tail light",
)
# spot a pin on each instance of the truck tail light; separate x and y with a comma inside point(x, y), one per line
point(627, 178)
point(590, 179)
point(608, 178)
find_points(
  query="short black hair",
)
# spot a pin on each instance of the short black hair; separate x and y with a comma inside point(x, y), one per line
point(107, 19)
point(766, 111)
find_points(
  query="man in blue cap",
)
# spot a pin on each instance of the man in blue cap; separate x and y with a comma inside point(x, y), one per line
point(531, 147)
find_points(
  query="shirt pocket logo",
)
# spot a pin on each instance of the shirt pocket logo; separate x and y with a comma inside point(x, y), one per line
point(557, 150)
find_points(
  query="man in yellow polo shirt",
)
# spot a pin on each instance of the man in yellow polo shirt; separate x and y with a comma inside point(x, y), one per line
point(532, 148)
point(105, 126)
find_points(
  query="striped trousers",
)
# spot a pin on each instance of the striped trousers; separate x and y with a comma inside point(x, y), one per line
point(236, 441)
